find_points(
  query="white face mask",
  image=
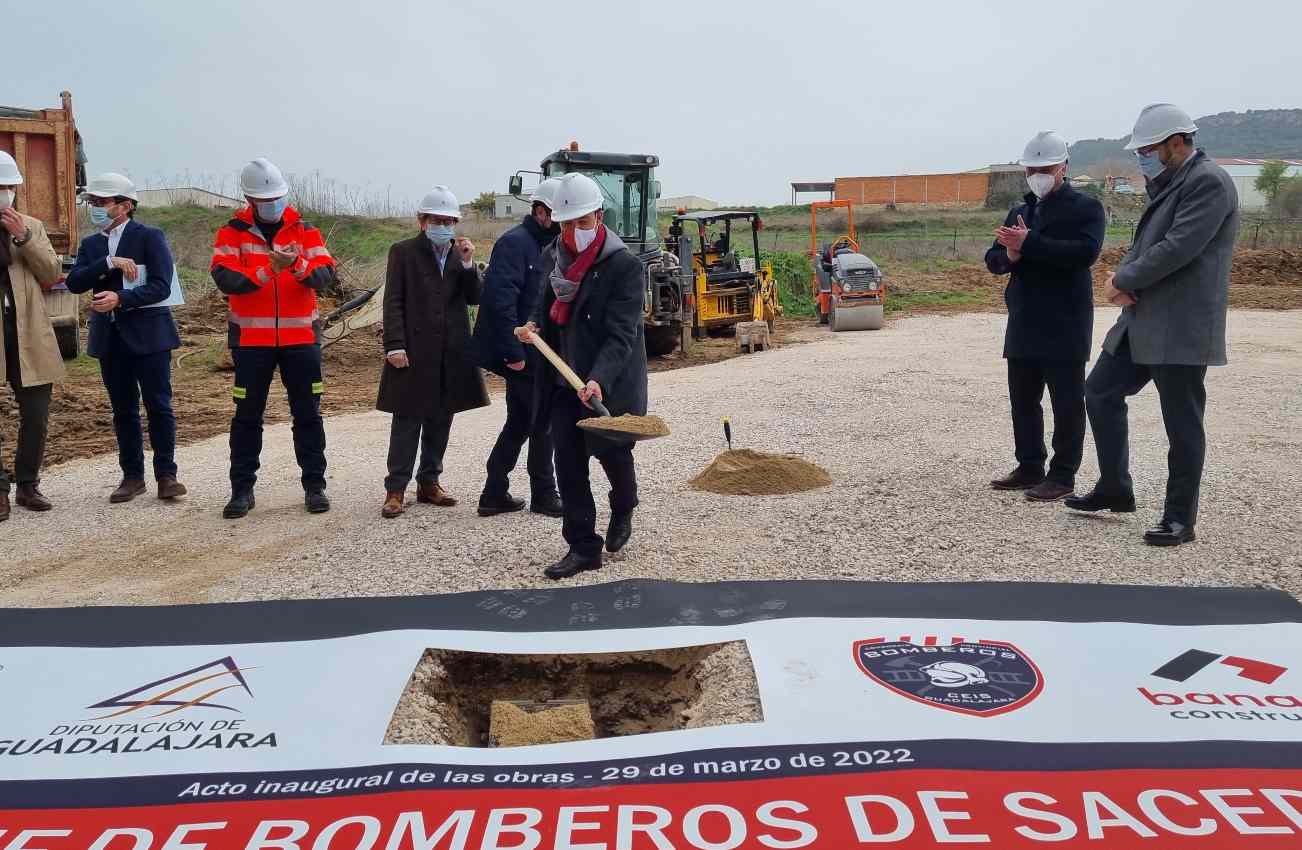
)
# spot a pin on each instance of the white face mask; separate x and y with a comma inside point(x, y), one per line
point(1041, 184)
point(584, 238)
point(6, 198)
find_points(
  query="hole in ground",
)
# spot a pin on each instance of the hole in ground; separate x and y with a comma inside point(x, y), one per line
point(450, 697)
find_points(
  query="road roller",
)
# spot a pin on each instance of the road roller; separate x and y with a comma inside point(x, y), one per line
point(847, 285)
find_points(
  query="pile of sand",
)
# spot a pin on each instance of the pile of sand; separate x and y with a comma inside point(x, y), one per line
point(512, 725)
point(641, 426)
point(749, 473)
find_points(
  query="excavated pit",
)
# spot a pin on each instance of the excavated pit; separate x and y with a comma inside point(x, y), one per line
point(452, 696)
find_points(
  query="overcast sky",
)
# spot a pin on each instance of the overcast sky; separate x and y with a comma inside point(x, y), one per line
point(737, 98)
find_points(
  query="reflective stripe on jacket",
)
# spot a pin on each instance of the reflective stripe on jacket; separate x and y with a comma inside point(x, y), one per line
point(269, 308)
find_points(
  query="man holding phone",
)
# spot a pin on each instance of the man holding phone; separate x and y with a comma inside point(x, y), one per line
point(430, 369)
point(271, 264)
point(128, 266)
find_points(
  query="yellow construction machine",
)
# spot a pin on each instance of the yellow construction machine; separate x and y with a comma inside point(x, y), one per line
point(726, 288)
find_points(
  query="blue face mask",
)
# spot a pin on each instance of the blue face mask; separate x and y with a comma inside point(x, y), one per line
point(440, 234)
point(99, 216)
point(1149, 164)
point(271, 211)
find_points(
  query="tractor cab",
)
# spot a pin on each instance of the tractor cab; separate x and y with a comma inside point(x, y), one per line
point(628, 187)
point(629, 191)
point(729, 287)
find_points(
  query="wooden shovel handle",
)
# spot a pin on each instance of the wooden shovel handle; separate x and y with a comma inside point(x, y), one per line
point(561, 366)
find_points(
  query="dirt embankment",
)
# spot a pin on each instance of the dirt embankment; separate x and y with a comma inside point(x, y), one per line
point(1259, 280)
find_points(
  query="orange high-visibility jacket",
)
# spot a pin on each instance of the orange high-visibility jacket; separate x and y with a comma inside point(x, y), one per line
point(270, 309)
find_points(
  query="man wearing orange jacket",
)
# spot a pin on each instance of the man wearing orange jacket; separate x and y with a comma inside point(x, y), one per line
point(271, 264)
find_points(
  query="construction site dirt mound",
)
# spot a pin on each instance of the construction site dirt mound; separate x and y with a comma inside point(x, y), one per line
point(1265, 279)
point(640, 426)
point(745, 472)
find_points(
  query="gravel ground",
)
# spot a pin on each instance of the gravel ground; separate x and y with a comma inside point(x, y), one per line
point(911, 421)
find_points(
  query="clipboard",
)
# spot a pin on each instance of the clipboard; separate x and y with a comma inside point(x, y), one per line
point(175, 298)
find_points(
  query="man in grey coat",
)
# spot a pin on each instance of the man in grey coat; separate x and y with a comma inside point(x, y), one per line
point(1173, 288)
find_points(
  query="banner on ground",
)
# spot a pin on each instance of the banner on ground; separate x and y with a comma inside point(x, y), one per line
point(891, 715)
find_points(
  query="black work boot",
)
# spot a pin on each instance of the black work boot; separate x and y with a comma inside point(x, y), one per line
point(315, 501)
point(239, 506)
point(619, 531)
point(572, 564)
point(547, 504)
point(508, 504)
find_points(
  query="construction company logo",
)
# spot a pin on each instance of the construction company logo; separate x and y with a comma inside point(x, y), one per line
point(1230, 687)
point(982, 678)
point(149, 718)
point(179, 691)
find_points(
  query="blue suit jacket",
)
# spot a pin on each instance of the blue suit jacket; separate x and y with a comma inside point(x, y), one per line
point(143, 329)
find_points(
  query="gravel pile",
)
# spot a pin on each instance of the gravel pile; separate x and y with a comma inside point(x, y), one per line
point(910, 421)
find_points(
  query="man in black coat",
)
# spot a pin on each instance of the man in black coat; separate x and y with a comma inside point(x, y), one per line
point(1048, 245)
point(430, 372)
point(512, 287)
point(591, 313)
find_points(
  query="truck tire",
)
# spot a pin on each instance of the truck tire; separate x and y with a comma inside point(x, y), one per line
point(661, 340)
point(69, 341)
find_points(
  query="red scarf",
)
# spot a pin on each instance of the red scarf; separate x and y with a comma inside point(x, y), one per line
point(560, 310)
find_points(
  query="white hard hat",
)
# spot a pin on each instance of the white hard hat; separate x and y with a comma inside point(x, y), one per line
point(545, 193)
point(1047, 148)
point(576, 196)
point(111, 185)
point(440, 201)
point(9, 173)
point(262, 180)
point(1159, 122)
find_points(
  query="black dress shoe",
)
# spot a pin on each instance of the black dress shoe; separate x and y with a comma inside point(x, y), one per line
point(572, 564)
point(1096, 501)
point(316, 502)
point(239, 505)
point(1169, 533)
point(619, 531)
point(549, 505)
point(508, 504)
point(1021, 478)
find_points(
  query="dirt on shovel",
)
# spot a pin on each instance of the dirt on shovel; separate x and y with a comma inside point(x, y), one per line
point(644, 427)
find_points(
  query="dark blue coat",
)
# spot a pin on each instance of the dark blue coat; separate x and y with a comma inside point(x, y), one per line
point(512, 287)
point(1050, 295)
point(143, 329)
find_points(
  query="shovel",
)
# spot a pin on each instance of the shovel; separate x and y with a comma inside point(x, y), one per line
point(595, 403)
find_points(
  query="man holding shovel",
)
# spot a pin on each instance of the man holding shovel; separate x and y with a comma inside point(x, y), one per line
point(591, 314)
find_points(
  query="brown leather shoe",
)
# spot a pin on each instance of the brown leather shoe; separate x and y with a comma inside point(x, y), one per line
point(1021, 478)
point(1048, 491)
point(170, 488)
point(392, 505)
point(31, 498)
point(433, 494)
point(4, 506)
point(127, 490)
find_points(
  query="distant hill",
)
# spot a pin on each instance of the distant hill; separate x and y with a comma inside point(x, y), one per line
point(1257, 133)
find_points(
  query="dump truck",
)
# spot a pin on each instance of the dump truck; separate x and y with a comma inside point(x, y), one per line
point(47, 147)
point(630, 191)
